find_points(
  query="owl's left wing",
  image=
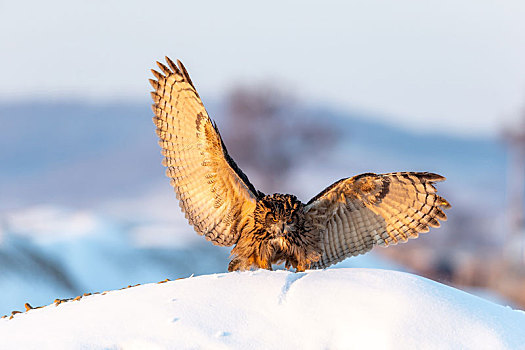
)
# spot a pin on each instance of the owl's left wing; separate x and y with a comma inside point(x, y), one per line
point(214, 193)
point(355, 214)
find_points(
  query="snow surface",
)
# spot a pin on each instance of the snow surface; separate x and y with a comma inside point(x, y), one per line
point(324, 309)
point(49, 252)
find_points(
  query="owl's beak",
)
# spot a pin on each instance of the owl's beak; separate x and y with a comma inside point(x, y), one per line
point(280, 229)
point(284, 229)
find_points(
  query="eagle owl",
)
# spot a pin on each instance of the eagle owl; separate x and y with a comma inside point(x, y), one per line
point(346, 219)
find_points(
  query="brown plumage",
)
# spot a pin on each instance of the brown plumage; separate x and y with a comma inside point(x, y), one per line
point(346, 219)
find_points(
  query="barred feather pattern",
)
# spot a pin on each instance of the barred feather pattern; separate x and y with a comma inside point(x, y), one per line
point(355, 214)
point(215, 195)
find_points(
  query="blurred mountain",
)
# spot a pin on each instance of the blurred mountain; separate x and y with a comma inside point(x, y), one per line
point(74, 153)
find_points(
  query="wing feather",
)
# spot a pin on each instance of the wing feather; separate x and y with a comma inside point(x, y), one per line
point(355, 214)
point(214, 193)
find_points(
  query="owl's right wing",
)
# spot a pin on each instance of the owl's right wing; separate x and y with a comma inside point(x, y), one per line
point(216, 196)
point(355, 214)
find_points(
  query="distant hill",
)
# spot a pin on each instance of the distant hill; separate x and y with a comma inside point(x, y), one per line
point(77, 153)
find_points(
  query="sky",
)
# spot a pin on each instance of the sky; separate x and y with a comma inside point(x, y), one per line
point(453, 66)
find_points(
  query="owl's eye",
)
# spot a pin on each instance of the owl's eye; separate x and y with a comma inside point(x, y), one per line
point(290, 220)
point(271, 217)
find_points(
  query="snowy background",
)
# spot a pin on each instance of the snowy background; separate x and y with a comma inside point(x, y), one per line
point(85, 205)
point(94, 211)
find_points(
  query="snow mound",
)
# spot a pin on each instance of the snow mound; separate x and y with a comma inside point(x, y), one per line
point(327, 309)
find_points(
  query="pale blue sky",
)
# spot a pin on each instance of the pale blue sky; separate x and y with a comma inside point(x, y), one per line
point(457, 66)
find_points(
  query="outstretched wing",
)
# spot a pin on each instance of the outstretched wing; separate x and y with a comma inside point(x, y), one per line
point(355, 214)
point(214, 193)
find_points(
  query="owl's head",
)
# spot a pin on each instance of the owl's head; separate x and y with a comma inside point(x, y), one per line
point(279, 214)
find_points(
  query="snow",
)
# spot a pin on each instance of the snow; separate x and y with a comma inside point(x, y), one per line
point(50, 252)
point(51, 222)
point(335, 309)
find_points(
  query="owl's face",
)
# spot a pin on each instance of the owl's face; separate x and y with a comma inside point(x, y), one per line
point(279, 215)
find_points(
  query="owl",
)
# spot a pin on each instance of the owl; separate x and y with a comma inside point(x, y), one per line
point(346, 219)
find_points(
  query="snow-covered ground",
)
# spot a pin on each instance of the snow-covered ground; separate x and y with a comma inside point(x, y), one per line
point(49, 252)
point(327, 309)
